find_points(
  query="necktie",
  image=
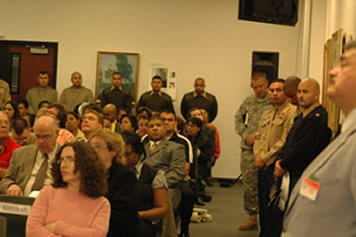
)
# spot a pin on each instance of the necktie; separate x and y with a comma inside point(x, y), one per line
point(41, 174)
point(153, 147)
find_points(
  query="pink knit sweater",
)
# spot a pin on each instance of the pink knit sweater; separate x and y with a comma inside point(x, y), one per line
point(74, 213)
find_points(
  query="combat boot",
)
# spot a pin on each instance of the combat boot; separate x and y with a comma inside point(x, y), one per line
point(250, 224)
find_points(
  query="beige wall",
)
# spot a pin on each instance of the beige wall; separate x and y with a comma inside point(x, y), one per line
point(201, 38)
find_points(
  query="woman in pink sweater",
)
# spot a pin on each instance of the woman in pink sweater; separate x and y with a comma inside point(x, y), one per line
point(74, 205)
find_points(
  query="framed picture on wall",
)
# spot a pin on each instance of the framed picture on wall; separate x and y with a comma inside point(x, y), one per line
point(125, 63)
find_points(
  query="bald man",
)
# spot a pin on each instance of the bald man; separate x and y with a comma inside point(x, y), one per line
point(110, 112)
point(308, 136)
point(76, 94)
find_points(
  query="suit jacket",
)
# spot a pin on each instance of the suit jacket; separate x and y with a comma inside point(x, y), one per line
point(308, 136)
point(20, 169)
point(123, 200)
point(169, 157)
point(333, 213)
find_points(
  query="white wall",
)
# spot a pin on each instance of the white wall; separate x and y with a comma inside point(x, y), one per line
point(201, 38)
point(341, 14)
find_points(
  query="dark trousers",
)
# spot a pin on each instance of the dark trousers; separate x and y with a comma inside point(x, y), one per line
point(270, 216)
point(186, 205)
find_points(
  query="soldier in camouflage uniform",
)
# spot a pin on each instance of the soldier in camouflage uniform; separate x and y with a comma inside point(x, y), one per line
point(246, 124)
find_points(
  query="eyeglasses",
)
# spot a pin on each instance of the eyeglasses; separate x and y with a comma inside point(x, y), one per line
point(4, 122)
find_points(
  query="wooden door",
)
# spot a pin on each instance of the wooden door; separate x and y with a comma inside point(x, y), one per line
point(25, 61)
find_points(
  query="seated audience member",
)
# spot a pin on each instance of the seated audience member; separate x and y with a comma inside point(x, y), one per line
point(128, 123)
point(59, 113)
point(110, 112)
point(21, 133)
point(180, 125)
point(43, 104)
point(92, 121)
point(7, 145)
point(144, 112)
point(152, 186)
point(165, 155)
point(120, 113)
point(107, 123)
point(22, 104)
point(30, 165)
point(188, 197)
point(202, 145)
point(122, 183)
point(4, 92)
point(142, 126)
point(29, 120)
point(74, 205)
point(72, 125)
point(205, 131)
point(205, 115)
point(11, 110)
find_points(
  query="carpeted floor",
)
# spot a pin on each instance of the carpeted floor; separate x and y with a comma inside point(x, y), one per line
point(227, 211)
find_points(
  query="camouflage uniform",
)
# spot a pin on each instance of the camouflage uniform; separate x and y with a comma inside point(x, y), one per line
point(253, 108)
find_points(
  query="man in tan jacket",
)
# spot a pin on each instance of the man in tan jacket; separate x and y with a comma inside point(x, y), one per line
point(4, 92)
point(271, 135)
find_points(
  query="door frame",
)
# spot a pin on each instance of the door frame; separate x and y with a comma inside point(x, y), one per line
point(5, 69)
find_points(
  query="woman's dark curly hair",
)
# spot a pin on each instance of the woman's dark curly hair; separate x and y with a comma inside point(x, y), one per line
point(93, 180)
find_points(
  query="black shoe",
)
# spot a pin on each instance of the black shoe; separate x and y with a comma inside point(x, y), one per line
point(206, 198)
point(184, 234)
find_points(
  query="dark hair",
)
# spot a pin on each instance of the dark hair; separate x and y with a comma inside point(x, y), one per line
point(93, 181)
point(135, 141)
point(180, 124)
point(43, 72)
point(155, 117)
point(132, 119)
point(116, 73)
point(19, 125)
point(15, 108)
point(22, 101)
point(42, 102)
point(157, 77)
point(191, 110)
point(62, 114)
point(144, 109)
point(74, 114)
point(168, 111)
point(279, 80)
point(196, 121)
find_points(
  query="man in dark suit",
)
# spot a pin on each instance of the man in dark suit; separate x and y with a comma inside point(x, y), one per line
point(30, 165)
point(165, 155)
point(308, 136)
